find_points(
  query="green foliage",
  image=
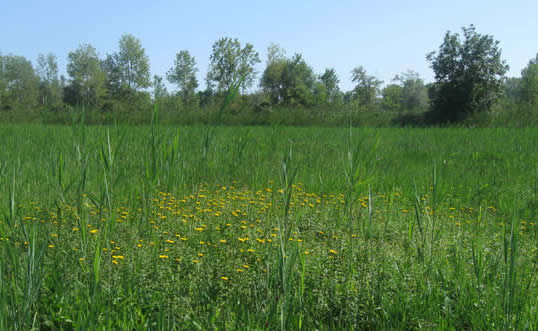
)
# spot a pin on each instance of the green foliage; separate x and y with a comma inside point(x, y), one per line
point(414, 96)
point(275, 53)
point(123, 228)
point(50, 87)
point(3, 81)
point(468, 74)
point(183, 73)
point(298, 82)
point(320, 94)
point(127, 75)
point(230, 63)
point(113, 78)
point(87, 85)
point(19, 85)
point(512, 89)
point(330, 81)
point(132, 63)
point(271, 81)
point(291, 81)
point(469, 79)
point(159, 89)
point(392, 96)
point(529, 83)
point(367, 87)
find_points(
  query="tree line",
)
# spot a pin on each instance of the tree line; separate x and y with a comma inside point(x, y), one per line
point(470, 77)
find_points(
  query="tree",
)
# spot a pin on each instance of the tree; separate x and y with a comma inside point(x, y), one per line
point(468, 74)
point(529, 82)
point(414, 95)
point(392, 97)
point(132, 64)
point(271, 81)
point(159, 90)
point(367, 87)
point(3, 82)
point(87, 84)
point(19, 85)
point(47, 69)
point(113, 78)
point(183, 73)
point(297, 82)
point(320, 94)
point(275, 53)
point(513, 89)
point(231, 65)
point(330, 80)
point(291, 81)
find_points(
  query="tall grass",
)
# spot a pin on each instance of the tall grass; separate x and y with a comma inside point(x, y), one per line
point(375, 229)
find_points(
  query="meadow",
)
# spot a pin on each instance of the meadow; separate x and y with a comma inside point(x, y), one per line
point(201, 227)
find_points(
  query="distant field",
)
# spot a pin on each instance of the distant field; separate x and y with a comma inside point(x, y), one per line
point(234, 228)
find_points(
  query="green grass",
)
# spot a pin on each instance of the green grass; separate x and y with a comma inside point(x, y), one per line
point(160, 227)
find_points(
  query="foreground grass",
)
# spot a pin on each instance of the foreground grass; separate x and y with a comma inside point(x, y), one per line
point(267, 228)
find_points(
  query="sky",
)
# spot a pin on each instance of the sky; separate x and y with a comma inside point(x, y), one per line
point(385, 37)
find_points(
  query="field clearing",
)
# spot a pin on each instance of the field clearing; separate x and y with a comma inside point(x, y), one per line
point(139, 227)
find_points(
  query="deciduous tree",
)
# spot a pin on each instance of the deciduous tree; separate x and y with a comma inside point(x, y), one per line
point(132, 63)
point(414, 95)
point(330, 80)
point(113, 78)
point(231, 64)
point(159, 90)
point(87, 83)
point(392, 97)
point(3, 82)
point(271, 81)
point(469, 74)
point(366, 88)
point(298, 82)
point(183, 74)
point(19, 85)
point(47, 69)
point(529, 82)
point(512, 89)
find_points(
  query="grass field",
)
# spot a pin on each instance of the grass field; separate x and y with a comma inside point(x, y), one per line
point(232, 228)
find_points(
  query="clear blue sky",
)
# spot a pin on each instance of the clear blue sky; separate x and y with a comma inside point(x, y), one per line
point(386, 37)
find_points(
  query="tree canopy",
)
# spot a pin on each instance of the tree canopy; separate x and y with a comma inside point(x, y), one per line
point(469, 73)
point(87, 84)
point(50, 87)
point(367, 87)
point(132, 63)
point(231, 64)
point(19, 83)
point(529, 82)
point(468, 67)
point(183, 74)
point(330, 81)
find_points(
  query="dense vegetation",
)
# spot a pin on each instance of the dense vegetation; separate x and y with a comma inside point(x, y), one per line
point(258, 225)
point(124, 227)
point(470, 85)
